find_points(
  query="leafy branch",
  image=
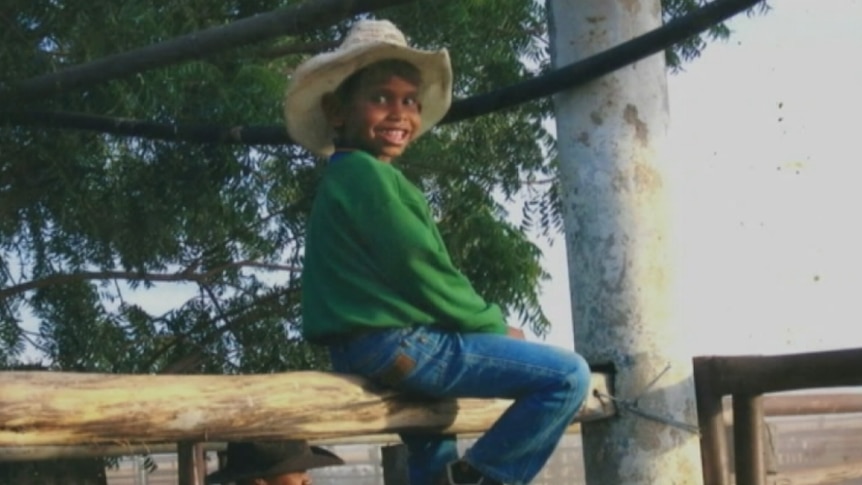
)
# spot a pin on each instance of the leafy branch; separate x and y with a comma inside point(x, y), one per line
point(572, 75)
point(292, 20)
point(301, 48)
point(231, 319)
point(186, 275)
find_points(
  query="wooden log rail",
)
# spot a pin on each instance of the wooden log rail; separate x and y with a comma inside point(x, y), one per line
point(747, 378)
point(60, 408)
point(773, 406)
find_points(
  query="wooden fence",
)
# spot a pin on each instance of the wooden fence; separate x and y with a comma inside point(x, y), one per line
point(70, 412)
point(56, 414)
point(746, 379)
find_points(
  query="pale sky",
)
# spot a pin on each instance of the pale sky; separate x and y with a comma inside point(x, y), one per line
point(763, 129)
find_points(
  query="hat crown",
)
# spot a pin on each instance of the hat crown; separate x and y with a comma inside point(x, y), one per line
point(261, 455)
point(266, 459)
point(271, 453)
point(370, 31)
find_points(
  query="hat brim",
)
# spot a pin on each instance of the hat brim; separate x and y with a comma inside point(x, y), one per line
point(318, 459)
point(322, 74)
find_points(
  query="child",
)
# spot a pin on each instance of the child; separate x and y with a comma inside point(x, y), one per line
point(378, 286)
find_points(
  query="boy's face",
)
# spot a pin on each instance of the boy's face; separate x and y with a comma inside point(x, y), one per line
point(382, 116)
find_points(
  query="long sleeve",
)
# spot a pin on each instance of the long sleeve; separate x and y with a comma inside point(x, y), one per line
point(374, 258)
point(405, 242)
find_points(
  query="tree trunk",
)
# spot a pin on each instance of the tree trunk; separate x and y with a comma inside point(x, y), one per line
point(56, 408)
point(614, 187)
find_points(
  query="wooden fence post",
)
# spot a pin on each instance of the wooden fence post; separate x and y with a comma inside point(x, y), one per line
point(191, 467)
point(395, 465)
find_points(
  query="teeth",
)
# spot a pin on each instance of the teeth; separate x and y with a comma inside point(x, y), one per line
point(395, 135)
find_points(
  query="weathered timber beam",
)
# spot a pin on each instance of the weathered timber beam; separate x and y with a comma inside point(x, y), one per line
point(774, 405)
point(54, 452)
point(806, 404)
point(40, 453)
point(834, 474)
point(58, 408)
point(756, 374)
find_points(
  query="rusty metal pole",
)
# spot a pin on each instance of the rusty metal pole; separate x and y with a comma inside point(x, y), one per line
point(710, 414)
point(614, 184)
point(394, 458)
point(190, 462)
point(748, 429)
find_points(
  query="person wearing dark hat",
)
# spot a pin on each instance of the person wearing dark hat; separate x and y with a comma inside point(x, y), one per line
point(272, 463)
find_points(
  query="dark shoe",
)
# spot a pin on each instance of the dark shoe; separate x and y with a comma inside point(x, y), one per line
point(462, 473)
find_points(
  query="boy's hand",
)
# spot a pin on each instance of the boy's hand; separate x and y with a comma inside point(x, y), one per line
point(515, 333)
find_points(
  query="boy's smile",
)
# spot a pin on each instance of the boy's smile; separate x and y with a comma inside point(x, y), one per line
point(382, 117)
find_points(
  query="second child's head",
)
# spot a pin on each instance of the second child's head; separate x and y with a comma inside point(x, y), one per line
point(374, 93)
point(377, 109)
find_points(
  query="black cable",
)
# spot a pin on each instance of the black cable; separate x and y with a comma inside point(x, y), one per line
point(567, 77)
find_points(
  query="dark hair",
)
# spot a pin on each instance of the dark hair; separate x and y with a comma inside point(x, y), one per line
point(377, 70)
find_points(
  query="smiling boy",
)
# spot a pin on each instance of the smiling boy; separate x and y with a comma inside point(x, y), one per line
point(378, 285)
point(378, 111)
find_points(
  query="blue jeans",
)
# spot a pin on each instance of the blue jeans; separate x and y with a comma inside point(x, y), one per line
point(548, 386)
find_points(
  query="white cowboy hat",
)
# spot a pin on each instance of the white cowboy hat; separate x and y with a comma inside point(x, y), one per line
point(367, 42)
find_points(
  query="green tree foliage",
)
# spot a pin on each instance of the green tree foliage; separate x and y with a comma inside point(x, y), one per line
point(89, 220)
point(692, 47)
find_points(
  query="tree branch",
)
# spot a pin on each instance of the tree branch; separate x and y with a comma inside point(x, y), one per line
point(550, 180)
point(293, 20)
point(190, 132)
point(196, 354)
point(573, 75)
point(181, 276)
point(231, 322)
point(305, 48)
